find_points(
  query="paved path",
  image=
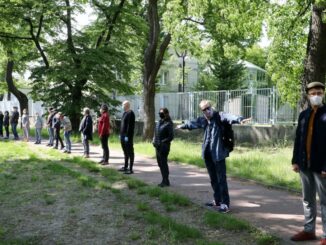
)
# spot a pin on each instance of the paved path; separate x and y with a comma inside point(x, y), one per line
point(275, 211)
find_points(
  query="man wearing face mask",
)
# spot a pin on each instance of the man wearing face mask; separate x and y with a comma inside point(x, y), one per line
point(309, 160)
point(214, 151)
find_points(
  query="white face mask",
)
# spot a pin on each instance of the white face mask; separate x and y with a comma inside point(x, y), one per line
point(316, 100)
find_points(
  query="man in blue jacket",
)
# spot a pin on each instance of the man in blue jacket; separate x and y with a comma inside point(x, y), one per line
point(309, 159)
point(214, 151)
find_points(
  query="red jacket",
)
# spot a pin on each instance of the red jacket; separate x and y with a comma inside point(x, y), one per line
point(104, 124)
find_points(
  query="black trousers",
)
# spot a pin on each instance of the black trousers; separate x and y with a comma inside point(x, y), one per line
point(58, 138)
point(162, 153)
point(128, 151)
point(105, 147)
point(1, 130)
point(7, 131)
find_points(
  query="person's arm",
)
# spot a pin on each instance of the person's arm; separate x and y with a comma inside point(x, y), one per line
point(295, 160)
point(200, 122)
point(170, 133)
point(232, 119)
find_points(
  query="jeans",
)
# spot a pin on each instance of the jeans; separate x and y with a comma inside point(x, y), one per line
point(51, 135)
point(66, 135)
point(105, 147)
point(162, 152)
point(128, 151)
point(38, 135)
point(26, 133)
point(14, 130)
point(85, 144)
point(312, 182)
point(217, 175)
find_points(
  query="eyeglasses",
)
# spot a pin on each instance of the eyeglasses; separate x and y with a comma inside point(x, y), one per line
point(319, 93)
point(205, 109)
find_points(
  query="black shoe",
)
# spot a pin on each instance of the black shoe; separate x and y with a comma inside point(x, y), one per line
point(101, 161)
point(123, 169)
point(105, 163)
point(163, 184)
point(55, 147)
point(128, 171)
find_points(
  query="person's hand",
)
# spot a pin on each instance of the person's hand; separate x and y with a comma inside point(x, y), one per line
point(295, 168)
point(246, 120)
point(126, 139)
point(323, 174)
point(179, 126)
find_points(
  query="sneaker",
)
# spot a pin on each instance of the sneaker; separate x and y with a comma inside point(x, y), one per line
point(122, 169)
point(304, 236)
point(162, 185)
point(101, 161)
point(86, 156)
point(105, 163)
point(224, 208)
point(55, 147)
point(212, 204)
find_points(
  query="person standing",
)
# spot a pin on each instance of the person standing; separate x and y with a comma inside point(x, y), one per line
point(14, 122)
point(1, 124)
point(6, 124)
point(25, 125)
point(49, 124)
point(104, 133)
point(38, 128)
point(86, 129)
point(57, 126)
point(67, 128)
point(214, 151)
point(127, 137)
point(309, 160)
point(163, 136)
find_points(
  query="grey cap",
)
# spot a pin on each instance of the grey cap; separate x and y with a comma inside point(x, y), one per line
point(315, 85)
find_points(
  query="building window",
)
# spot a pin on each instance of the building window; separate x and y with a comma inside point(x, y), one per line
point(164, 78)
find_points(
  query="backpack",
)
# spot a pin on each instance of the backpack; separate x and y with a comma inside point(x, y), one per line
point(227, 133)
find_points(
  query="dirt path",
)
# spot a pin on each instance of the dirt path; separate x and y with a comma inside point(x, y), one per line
point(275, 211)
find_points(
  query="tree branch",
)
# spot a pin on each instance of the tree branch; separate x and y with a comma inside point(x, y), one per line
point(195, 21)
point(11, 36)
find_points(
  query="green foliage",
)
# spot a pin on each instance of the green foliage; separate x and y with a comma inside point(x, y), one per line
point(288, 28)
point(257, 55)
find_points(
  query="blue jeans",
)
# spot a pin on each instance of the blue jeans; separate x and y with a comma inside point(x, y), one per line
point(66, 135)
point(313, 183)
point(217, 175)
point(51, 135)
point(38, 134)
point(14, 130)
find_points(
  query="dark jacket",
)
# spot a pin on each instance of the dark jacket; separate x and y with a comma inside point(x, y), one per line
point(127, 124)
point(163, 133)
point(213, 137)
point(1, 119)
point(14, 117)
point(86, 127)
point(317, 155)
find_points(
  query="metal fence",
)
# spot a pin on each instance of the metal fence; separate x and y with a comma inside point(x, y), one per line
point(264, 106)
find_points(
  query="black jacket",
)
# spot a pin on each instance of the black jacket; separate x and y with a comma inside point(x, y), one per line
point(86, 127)
point(163, 133)
point(14, 117)
point(127, 124)
point(318, 155)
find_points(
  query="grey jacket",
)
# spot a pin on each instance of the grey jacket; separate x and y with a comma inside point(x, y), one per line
point(218, 151)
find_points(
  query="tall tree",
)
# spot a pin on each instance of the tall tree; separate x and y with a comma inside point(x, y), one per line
point(153, 57)
point(297, 54)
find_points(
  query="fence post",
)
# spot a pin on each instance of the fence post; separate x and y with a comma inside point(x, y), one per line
point(273, 96)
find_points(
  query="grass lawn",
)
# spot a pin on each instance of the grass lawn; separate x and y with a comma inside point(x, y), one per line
point(47, 197)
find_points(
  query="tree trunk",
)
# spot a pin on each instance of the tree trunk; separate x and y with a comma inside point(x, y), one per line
point(315, 61)
point(22, 98)
point(153, 61)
